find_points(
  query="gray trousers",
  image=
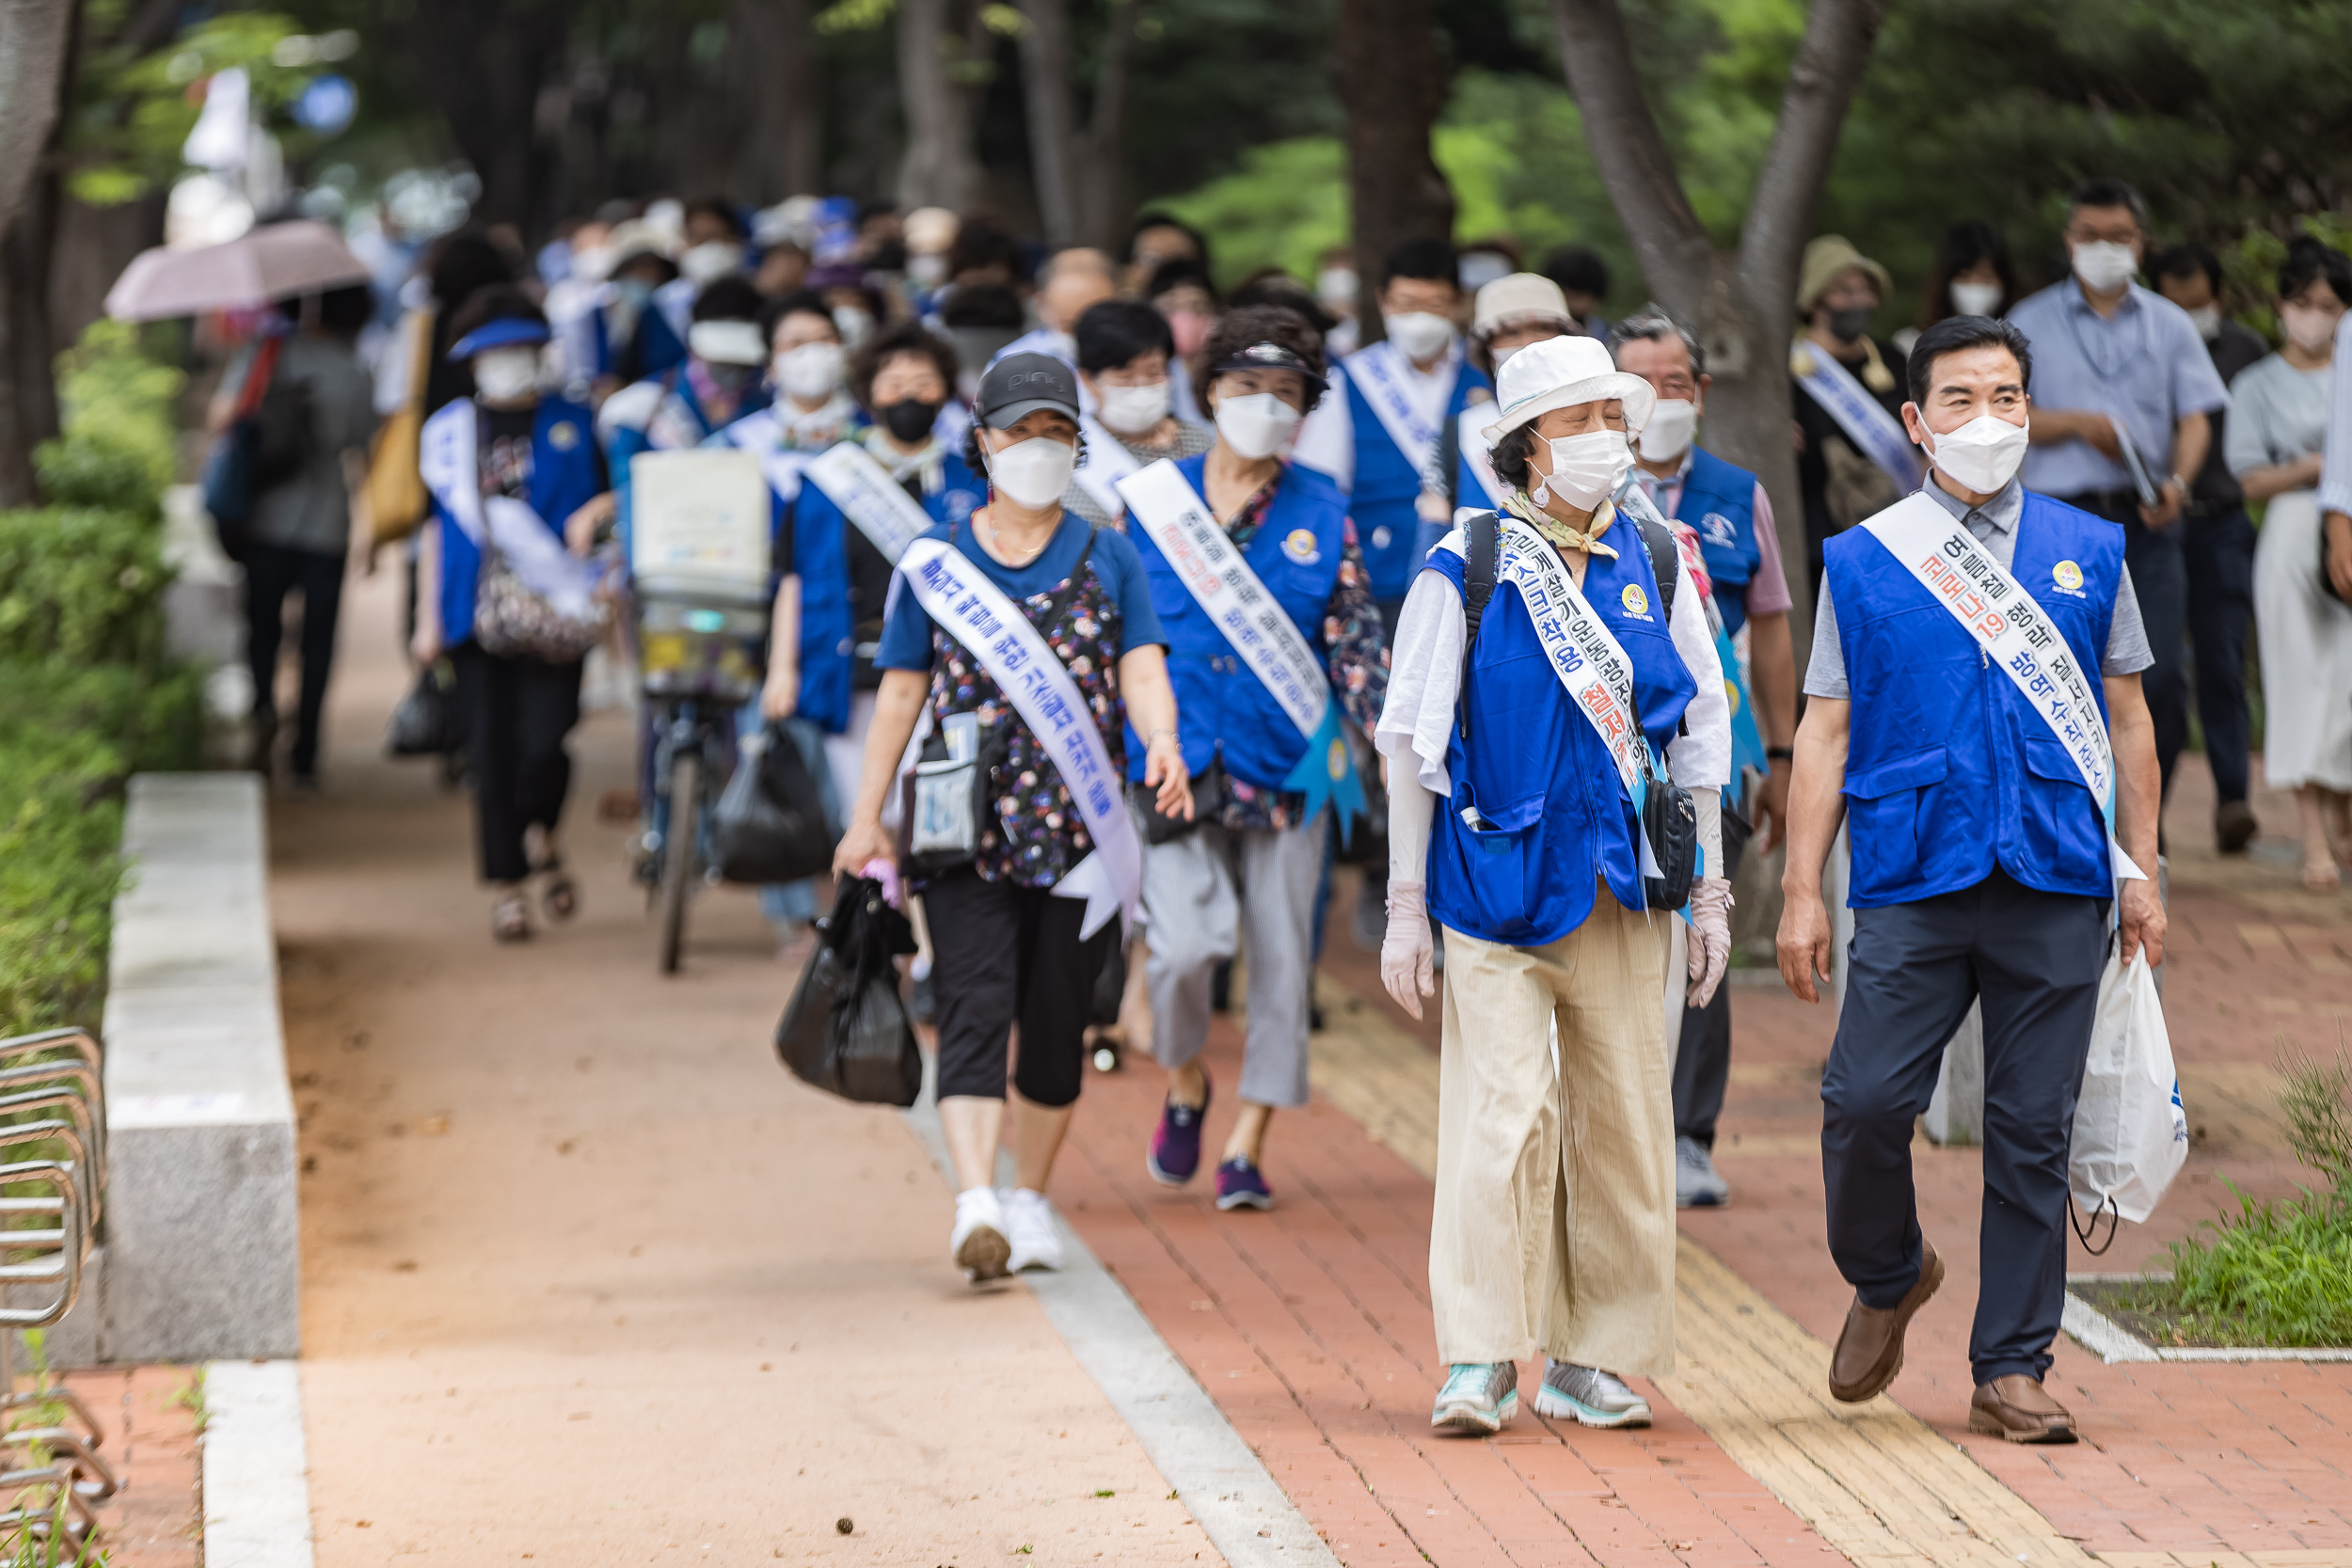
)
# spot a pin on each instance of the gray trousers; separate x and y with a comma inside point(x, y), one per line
point(1200, 892)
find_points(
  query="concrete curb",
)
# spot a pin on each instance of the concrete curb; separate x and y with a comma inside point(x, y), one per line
point(2112, 1342)
point(1215, 1473)
point(257, 1473)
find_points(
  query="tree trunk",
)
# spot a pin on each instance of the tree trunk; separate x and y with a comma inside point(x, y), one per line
point(1743, 302)
point(36, 39)
point(1392, 73)
point(1046, 84)
point(484, 65)
point(1098, 156)
point(941, 168)
point(798, 97)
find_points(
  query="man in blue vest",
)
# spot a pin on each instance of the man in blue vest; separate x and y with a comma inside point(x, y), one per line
point(1727, 508)
point(1951, 682)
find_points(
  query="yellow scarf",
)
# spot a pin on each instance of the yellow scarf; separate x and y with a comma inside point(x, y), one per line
point(1562, 535)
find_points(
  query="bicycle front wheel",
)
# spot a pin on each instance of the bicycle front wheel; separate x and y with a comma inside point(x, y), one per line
point(677, 851)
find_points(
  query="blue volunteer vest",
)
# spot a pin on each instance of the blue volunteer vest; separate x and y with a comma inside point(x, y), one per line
point(821, 559)
point(1221, 705)
point(563, 480)
point(1557, 818)
point(1719, 503)
point(1949, 770)
point(1386, 486)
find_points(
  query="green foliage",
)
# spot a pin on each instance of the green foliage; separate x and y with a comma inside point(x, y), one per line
point(114, 397)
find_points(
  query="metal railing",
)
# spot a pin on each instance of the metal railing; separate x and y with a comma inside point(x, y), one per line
point(53, 1178)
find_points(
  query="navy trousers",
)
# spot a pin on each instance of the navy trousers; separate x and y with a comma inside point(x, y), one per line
point(2034, 959)
point(2219, 551)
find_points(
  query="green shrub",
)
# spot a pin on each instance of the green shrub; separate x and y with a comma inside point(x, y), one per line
point(85, 584)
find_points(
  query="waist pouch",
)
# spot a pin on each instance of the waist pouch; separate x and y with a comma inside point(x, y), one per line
point(1210, 796)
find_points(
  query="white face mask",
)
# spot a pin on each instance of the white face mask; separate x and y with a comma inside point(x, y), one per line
point(1336, 287)
point(506, 374)
point(2307, 329)
point(2207, 320)
point(853, 322)
point(811, 370)
point(1034, 472)
point(1131, 411)
point(1256, 425)
point(1671, 424)
point(2105, 266)
point(1584, 468)
point(1976, 299)
point(1982, 455)
point(708, 261)
point(1421, 334)
point(927, 269)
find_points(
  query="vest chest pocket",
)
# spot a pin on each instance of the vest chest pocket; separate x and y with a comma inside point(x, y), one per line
point(1882, 814)
point(1501, 860)
point(2065, 832)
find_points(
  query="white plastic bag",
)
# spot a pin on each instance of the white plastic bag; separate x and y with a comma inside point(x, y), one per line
point(2130, 1132)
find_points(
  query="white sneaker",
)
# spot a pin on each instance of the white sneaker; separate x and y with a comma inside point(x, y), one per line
point(979, 1244)
point(1029, 1225)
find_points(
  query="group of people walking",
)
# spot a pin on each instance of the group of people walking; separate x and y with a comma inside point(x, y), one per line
point(1107, 643)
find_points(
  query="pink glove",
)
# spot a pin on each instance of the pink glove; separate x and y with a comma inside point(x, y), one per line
point(1406, 950)
point(1710, 938)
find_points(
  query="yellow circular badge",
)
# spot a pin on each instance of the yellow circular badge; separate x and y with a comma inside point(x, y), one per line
point(1337, 761)
point(1731, 694)
point(563, 436)
point(2067, 575)
point(1635, 601)
point(1299, 545)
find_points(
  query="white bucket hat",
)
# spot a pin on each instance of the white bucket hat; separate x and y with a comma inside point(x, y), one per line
point(1561, 373)
point(1517, 297)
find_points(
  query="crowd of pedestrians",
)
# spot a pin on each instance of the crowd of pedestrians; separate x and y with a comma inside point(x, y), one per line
point(1115, 609)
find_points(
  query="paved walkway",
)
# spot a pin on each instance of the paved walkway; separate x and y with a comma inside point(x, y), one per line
point(588, 1279)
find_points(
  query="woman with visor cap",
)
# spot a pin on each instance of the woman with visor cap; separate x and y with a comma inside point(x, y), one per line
point(1275, 648)
point(1005, 624)
point(1554, 1223)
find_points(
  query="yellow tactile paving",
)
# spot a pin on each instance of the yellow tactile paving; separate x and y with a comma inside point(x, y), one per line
point(1874, 1480)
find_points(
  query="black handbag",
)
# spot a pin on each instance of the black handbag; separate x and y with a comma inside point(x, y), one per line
point(1209, 794)
point(770, 825)
point(845, 1031)
point(267, 442)
point(425, 724)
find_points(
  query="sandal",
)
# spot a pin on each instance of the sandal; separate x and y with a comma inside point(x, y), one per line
point(2321, 875)
point(510, 917)
point(558, 896)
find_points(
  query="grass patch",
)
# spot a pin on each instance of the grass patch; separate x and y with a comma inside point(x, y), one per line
point(2277, 1272)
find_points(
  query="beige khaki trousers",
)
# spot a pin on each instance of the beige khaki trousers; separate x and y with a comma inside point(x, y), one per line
point(1555, 1217)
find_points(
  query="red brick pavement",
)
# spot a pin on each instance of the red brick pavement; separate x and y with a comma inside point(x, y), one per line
point(155, 1519)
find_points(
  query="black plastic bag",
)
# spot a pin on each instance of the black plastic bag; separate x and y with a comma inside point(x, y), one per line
point(844, 1030)
point(769, 826)
point(425, 723)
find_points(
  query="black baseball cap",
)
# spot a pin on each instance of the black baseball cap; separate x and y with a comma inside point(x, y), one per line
point(1020, 384)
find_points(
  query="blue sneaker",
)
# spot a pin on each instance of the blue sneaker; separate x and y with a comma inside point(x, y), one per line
point(1175, 1153)
point(1479, 1398)
point(1242, 1185)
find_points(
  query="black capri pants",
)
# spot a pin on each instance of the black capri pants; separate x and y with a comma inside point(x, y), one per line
point(1001, 952)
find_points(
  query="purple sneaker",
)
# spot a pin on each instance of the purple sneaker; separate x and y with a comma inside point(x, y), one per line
point(1242, 1185)
point(1175, 1153)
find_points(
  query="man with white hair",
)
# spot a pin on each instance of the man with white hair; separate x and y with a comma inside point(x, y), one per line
point(1541, 669)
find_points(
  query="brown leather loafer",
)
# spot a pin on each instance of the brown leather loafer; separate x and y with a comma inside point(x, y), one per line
point(1871, 1346)
point(2018, 1408)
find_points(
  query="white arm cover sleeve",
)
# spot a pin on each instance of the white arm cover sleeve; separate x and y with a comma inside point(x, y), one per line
point(1410, 808)
point(1710, 805)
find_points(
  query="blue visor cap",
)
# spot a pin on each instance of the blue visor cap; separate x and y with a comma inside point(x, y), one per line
point(502, 333)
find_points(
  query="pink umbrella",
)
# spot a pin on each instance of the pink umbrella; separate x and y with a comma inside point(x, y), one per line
point(279, 260)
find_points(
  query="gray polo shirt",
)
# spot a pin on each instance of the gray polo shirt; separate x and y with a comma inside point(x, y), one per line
point(2146, 366)
point(1994, 524)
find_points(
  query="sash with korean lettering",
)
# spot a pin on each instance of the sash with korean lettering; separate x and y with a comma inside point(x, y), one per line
point(976, 613)
point(1875, 433)
point(761, 434)
point(1479, 453)
point(1378, 370)
point(1106, 464)
point(449, 463)
point(868, 497)
point(2017, 637)
point(1255, 624)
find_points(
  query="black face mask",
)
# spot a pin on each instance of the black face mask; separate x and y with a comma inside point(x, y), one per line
point(728, 378)
point(1846, 325)
point(909, 418)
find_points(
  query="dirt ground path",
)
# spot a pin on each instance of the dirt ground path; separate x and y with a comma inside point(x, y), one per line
point(587, 1278)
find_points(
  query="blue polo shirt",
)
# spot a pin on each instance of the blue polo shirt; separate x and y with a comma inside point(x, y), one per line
point(2146, 366)
point(906, 638)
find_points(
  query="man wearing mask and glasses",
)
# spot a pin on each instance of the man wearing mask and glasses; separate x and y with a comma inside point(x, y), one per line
point(2121, 388)
point(1962, 637)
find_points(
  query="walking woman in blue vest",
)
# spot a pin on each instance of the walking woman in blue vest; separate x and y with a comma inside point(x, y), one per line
point(1976, 706)
point(1262, 711)
point(540, 451)
point(1555, 1223)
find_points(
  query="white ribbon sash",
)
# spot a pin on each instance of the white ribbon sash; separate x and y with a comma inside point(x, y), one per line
point(2016, 635)
point(674, 425)
point(449, 462)
point(1108, 463)
point(1378, 370)
point(1480, 454)
point(760, 434)
point(1875, 433)
point(1223, 584)
point(868, 497)
point(976, 613)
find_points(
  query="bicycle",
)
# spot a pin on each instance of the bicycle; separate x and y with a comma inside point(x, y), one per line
point(703, 657)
